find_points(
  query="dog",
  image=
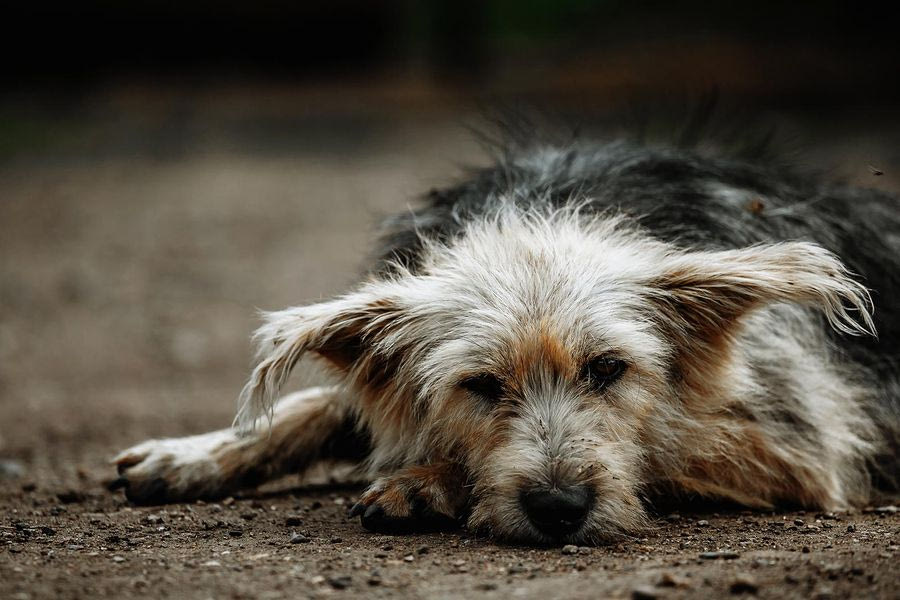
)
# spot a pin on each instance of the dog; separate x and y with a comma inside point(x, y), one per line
point(545, 348)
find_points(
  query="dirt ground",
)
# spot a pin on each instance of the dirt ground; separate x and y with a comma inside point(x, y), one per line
point(139, 232)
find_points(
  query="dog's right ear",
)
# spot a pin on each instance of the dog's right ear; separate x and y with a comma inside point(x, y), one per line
point(359, 334)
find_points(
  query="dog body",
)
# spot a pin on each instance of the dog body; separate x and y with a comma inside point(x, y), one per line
point(544, 346)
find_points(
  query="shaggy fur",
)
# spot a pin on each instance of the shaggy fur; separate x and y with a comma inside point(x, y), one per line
point(577, 329)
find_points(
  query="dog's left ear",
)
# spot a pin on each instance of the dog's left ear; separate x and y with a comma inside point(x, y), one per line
point(359, 334)
point(707, 293)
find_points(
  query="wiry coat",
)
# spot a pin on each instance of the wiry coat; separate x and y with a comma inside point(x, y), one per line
point(730, 303)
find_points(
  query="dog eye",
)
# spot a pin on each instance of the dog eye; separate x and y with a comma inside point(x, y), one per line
point(603, 370)
point(485, 385)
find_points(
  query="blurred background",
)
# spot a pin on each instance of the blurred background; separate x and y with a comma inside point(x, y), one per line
point(166, 168)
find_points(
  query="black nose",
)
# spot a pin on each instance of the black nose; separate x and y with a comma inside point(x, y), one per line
point(558, 512)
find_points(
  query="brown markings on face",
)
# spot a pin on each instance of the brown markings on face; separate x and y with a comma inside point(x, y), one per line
point(543, 350)
point(480, 432)
point(518, 362)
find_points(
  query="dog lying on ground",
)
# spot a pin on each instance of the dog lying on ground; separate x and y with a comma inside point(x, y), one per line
point(542, 348)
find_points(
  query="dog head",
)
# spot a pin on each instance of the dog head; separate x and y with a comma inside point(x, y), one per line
point(548, 353)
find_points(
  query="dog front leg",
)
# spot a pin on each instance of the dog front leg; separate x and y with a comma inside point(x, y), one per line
point(418, 498)
point(306, 426)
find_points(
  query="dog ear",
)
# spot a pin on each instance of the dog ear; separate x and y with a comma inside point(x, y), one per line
point(707, 293)
point(358, 334)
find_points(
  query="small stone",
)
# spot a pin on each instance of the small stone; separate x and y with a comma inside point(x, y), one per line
point(11, 469)
point(570, 549)
point(336, 540)
point(340, 582)
point(423, 550)
point(644, 592)
point(228, 501)
point(409, 558)
point(702, 523)
point(299, 538)
point(805, 550)
point(851, 528)
point(118, 559)
point(812, 528)
point(743, 584)
point(293, 521)
point(373, 580)
point(886, 510)
point(723, 554)
point(585, 550)
point(236, 532)
point(248, 515)
point(486, 586)
point(212, 564)
point(798, 522)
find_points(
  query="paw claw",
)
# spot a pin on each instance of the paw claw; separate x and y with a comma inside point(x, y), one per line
point(373, 512)
point(119, 482)
point(357, 509)
point(418, 506)
point(125, 462)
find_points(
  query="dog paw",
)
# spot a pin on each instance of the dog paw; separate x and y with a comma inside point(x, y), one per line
point(172, 470)
point(413, 501)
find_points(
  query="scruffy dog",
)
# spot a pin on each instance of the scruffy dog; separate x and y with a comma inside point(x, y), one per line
point(543, 348)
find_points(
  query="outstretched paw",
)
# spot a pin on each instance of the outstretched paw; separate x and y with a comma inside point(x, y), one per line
point(417, 499)
point(172, 470)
